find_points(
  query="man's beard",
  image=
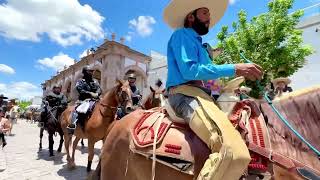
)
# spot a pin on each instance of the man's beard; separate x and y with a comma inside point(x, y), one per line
point(200, 27)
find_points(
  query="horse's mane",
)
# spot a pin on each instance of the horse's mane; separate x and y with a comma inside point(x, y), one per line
point(302, 110)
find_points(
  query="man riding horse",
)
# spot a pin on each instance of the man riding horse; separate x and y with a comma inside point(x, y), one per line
point(54, 99)
point(89, 91)
point(189, 65)
point(3, 103)
point(135, 95)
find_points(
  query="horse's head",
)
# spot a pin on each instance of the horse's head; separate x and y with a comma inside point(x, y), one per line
point(154, 99)
point(123, 95)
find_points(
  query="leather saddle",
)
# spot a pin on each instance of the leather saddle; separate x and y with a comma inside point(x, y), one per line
point(176, 145)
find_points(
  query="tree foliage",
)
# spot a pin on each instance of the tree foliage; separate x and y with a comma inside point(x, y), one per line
point(270, 39)
point(23, 104)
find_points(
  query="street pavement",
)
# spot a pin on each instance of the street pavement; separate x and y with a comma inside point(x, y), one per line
point(21, 159)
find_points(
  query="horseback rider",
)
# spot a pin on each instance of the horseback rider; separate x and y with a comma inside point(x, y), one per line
point(89, 91)
point(54, 99)
point(3, 103)
point(189, 64)
point(135, 96)
point(281, 86)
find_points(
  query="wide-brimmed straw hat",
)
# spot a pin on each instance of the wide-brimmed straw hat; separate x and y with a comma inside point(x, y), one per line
point(13, 101)
point(3, 97)
point(177, 10)
point(281, 79)
point(245, 88)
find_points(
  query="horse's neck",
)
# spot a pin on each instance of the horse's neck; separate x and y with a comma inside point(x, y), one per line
point(108, 104)
point(110, 98)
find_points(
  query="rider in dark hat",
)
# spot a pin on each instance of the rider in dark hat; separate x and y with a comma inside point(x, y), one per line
point(136, 94)
point(54, 99)
point(88, 89)
point(3, 103)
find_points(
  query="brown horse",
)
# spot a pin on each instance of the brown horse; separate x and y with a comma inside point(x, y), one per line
point(153, 99)
point(96, 126)
point(127, 164)
point(302, 110)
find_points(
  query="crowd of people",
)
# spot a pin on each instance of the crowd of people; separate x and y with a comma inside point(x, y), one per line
point(8, 117)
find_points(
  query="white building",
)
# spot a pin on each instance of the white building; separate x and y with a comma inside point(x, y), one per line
point(112, 60)
point(157, 68)
point(309, 75)
point(37, 100)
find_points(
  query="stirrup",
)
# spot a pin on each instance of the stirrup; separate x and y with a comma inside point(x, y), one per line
point(72, 128)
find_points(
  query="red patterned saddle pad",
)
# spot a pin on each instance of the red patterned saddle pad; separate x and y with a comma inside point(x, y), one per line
point(172, 144)
point(249, 121)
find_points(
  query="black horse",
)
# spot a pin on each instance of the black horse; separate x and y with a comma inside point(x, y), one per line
point(50, 121)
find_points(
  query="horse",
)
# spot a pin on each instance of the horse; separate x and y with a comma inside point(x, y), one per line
point(33, 113)
point(132, 160)
point(301, 108)
point(95, 127)
point(50, 121)
point(153, 99)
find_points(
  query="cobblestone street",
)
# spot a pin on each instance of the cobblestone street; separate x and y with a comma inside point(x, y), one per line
point(21, 158)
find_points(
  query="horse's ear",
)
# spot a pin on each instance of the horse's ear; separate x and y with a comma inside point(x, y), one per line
point(119, 82)
point(151, 89)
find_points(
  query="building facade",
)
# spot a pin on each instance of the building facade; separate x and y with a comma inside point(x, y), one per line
point(157, 68)
point(111, 60)
point(310, 24)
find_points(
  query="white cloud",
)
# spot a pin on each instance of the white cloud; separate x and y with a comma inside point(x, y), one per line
point(66, 22)
point(83, 54)
point(56, 63)
point(128, 37)
point(143, 25)
point(21, 90)
point(233, 1)
point(6, 69)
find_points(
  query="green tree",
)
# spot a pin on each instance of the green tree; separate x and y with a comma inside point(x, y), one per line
point(23, 104)
point(269, 39)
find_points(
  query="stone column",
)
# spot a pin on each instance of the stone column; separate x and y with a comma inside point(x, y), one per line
point(113, 69)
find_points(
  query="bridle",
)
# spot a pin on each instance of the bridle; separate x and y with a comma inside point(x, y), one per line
point(122, 99)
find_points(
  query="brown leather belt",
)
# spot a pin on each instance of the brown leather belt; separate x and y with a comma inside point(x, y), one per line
point(198, 83)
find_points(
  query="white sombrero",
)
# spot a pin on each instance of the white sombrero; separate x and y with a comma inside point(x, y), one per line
point(233, 84)
point(281, 79)
point(175, 13)
point(245, 88)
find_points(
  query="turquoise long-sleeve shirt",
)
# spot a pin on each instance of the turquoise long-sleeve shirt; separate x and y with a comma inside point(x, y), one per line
point(188, 60)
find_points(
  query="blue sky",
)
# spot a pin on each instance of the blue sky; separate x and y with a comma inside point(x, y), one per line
point(38, 37)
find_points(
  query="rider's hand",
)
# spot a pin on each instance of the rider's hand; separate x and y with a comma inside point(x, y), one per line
point(250, 71)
